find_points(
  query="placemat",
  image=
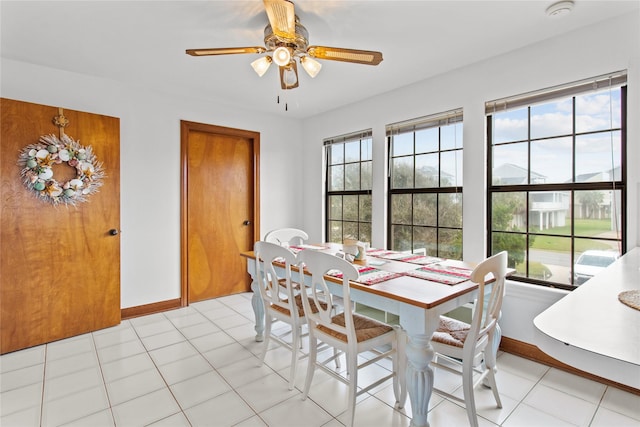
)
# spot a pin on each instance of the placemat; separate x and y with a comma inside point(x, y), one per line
point(441, 273)
point(368, 275)
point(297, 248)
point(422, 259)
point(630, 298)
point(404, 257)
point(387, 254)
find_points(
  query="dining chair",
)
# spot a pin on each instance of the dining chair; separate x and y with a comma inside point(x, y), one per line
point(282, 300)
point(467, 348)
point(347, 332)
point(291, 237)
point(286, 236)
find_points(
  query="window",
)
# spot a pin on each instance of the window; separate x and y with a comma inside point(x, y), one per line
point(349, 187)
point(425, 185)
point(557, 180)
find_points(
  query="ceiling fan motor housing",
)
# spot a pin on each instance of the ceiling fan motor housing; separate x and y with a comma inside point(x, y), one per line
point(297, 44)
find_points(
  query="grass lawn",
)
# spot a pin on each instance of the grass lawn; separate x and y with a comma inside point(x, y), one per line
point(583, 228)
point(537, 270)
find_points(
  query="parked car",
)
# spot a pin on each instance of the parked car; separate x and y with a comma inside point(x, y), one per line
point(590, 263)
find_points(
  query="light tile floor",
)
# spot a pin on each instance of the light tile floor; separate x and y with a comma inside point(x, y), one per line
point(198, 366)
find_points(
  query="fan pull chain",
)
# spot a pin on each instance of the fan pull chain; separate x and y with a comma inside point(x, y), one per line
point(286, 104)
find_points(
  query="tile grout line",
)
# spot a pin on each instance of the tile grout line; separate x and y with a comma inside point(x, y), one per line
point(164, 380)
point(104, 382)
point(44, 378)
point(182, 410)
point(333, 418)
point(222, 376)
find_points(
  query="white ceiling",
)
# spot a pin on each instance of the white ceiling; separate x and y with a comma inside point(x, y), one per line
point(142, 43)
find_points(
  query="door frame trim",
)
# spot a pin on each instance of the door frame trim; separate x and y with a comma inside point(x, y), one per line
point(185, 128)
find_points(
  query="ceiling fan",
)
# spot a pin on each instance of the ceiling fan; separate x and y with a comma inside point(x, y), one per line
point(287, 40)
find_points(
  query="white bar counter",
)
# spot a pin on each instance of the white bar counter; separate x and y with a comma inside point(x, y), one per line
point(591, 330)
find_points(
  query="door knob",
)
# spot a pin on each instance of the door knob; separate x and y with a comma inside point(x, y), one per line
point(247, 222)
point(113, 232)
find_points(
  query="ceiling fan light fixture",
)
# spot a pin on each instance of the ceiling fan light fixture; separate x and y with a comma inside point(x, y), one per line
point(282, 56)
point(261, 65)
point(311, 66)
point(289, 77)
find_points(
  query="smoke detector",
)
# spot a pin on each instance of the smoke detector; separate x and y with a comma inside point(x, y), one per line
point(559, 9)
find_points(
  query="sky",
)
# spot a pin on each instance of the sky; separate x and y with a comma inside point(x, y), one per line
point(552, 157)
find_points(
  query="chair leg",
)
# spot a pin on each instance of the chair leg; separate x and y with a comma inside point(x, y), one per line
point(267, 336)
point(352, 369)
point(395, 362)
point(467, 388)
point(296, 342)
point(490, 362)
point(335, 353)
point(401, 359)
point(491, 352)
point(311, 365)
point(494, 387)
point(335, 350)
point(490, 365)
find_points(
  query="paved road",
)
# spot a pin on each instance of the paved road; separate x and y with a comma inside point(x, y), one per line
point(550, 258)
point(557, 262)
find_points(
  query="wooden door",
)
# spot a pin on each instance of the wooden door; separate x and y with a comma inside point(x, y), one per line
point(220, 214)
point(60, 265)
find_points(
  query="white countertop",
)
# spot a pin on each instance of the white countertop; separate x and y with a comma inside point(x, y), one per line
point(592, 330)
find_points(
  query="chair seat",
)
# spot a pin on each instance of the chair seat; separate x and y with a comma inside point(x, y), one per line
point(451, 332)
point(299, 306)
point(294, 285)
point(365, 327)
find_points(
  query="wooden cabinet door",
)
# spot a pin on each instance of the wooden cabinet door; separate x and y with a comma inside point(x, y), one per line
point(60, 265)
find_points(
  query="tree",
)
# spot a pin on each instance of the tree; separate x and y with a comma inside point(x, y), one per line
point(590, 200)
point(506, 207)
point(424, 218)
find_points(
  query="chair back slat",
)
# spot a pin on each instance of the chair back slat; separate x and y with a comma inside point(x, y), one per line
point(486, 313)
point(275, 280)
point(318, 264)
point(286, 236)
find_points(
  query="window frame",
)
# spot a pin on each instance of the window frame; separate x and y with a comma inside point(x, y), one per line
point(613, 185)
point(328, 144)
point(440, 120)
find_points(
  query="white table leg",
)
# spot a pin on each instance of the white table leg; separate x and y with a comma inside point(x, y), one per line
point(491, 354)
point(256, 301)
point(419, 377)
point(258, 310)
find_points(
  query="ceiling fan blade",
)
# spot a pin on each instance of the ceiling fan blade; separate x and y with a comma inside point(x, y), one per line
point(282, 17)
point(289, 76)
point(367, 57)
point(225, 51)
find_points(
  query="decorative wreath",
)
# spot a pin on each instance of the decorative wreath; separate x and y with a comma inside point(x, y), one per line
point(37, 160)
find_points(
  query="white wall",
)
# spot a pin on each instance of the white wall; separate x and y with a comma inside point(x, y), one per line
point(150, 165)
point(609, 46)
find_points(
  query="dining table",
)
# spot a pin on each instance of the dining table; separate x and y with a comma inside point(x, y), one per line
point(417, 288)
